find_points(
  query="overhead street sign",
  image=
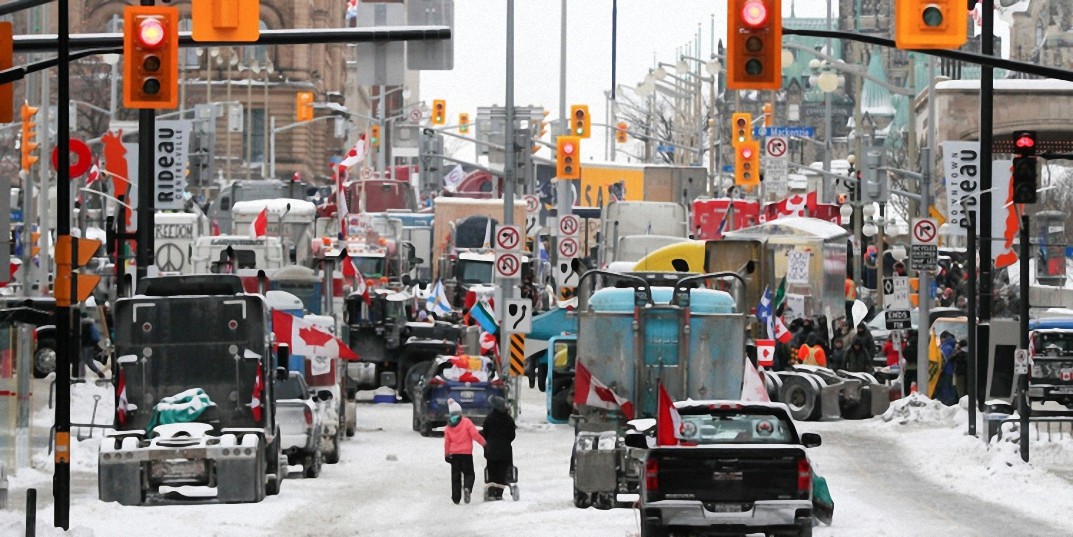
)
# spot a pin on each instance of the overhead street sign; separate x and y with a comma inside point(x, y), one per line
point(786, 132)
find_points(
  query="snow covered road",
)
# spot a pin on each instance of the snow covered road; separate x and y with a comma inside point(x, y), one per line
point(923, 477)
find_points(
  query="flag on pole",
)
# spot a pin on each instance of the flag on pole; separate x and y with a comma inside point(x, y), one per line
point(781, 332)
point(259, 226)
point(484, 316)
point(258, 391)
point(589, 391)
point(437, 300)
point(780, 295)
point(123, 406)
point(752, 387)
point(765, 352)
point(307, 339)
point(356, 153)
point(453, 178)
point(668, 420)
point(488, 234)
point(764, 312)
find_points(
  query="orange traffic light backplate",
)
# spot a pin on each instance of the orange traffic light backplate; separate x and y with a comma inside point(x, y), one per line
point(754, 44)
point(303, 101)
point(226, 20)
point(150, 57)
point(86, 250)
point(567, 157)
point(61, 287)
point(930, 24)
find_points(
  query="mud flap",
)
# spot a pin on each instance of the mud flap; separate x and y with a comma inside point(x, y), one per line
point(240, 472)
point(120, 483)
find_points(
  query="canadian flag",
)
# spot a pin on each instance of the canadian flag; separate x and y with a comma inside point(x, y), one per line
point(752, 387)
point(591, 392)
point(356, 153)
point(259, 226)
point(781, 332)
point(305, 339)
point(122, 404)
point(668, 420)
point(360, 285)
point(258, 391)
point(765, 352)
point(796, 205)
point(94, 175)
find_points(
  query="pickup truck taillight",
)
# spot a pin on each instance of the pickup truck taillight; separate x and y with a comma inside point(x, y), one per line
point(804, 475)
point(652, 474)
point(497, 383)
point(436, 381)
point(309, 416)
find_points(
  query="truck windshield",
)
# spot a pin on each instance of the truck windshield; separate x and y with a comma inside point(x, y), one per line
point(475, 271)
point(735, 428)
point(289, 389)
point(370, 267)
point(244, 259)
point(1053, 343)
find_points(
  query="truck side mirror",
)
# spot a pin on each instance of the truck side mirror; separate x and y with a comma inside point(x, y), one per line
point(636, 440)
point(281, 373)
point(810, 440)
point(406, 279)
point(324, 395)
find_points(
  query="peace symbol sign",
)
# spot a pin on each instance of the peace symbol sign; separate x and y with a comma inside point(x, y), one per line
point(170, 258)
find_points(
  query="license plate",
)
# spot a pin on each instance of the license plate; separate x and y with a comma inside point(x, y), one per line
point(466, 395)
point(726, 507)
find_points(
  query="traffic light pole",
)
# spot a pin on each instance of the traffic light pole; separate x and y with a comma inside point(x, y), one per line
point(65, 343)
point(146, 186)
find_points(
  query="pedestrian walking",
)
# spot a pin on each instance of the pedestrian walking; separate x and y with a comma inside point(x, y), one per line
point(499, 429)
point(458, 439)
point(837, 359)
point(91, 337)
point(857, 357)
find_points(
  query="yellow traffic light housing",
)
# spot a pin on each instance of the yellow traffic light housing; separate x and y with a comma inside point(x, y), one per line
point(439, 112)
point(374, 135)
point(463, 123)
point(303, 105)
point(930, 24)
point(29, 134)
point(540, 130)
point(150, 57)
point(222, 20)
point(741, 124)
point(621, 133)
point(581, 124)
point(567, 157)
point(754, 44)
point(35, 243)
point(83, 284)
point(769, 114)
point(747, 164)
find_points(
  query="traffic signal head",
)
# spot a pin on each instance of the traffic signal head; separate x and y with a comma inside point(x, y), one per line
point(66, 262)
point(303, 106)
point(741, 124)
point(150, 57)
point(769, 114)
point(1024, 143)
point(222, 20)
point(374, 135)
point(930, 24)
point(747, 164)
point(29, 134)
point(439, 112)
point(540, 130)
point(621, 133)
point(754, 44)
point(580, 123)
point(1025, 176)
point(463, 123)
point(567, 157)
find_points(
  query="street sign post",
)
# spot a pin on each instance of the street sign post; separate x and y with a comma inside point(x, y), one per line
point(896, 302)
point(924, 250)
point(509, 238)
point(518, 316)
point(786, 132)
point(508, 265)
point(568, 226)
point(776, 169)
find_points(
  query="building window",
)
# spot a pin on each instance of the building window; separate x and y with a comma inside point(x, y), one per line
point(256, 137)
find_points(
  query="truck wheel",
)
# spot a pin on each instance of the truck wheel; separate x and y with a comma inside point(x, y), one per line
point(862, 409)
point(311, 468)
point(332, 456)
point(581, 500)
point(652, 529)
point(799, 395)
point(772, 383)
point(412, 376)
point(424, 427)
point(44, 358)
point(604, 501)
point(274, 466)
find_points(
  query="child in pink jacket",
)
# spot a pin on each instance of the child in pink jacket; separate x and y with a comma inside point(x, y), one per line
point(458, 439)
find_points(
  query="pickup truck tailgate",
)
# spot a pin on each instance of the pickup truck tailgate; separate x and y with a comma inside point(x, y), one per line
point(721, 474)
point(293, 427)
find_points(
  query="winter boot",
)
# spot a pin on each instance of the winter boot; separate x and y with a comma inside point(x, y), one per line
point(465, 495)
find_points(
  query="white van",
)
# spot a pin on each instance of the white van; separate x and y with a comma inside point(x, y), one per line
point(210, 254)
point(296, 217)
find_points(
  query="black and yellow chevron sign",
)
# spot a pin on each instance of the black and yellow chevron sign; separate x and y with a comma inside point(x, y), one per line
point(517, 355)
point(566, 293)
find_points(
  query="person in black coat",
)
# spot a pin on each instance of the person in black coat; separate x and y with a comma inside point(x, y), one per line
point(498, 433)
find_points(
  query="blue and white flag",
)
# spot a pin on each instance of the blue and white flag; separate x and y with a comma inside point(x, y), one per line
point(764, 313)
point(437, 300)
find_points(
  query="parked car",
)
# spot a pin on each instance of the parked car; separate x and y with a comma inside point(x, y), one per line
point(299, 421)
point(470, 380)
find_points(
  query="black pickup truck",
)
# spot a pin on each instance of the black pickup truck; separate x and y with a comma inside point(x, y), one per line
point(739, 468)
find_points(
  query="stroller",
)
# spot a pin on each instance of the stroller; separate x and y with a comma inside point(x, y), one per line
point(512, 485)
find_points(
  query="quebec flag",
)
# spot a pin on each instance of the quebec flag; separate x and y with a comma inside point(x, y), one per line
point(437, 300)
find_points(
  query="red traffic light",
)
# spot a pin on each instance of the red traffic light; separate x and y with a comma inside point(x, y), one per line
point(568, 148)
point(746, 152)
point(754, 13)
point(1025, 142)
point(150, 33)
